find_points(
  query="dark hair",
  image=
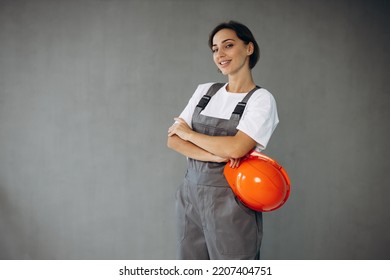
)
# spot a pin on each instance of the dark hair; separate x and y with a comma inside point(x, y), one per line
point(244, 34)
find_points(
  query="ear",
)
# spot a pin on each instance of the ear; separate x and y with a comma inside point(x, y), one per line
point(250, 48)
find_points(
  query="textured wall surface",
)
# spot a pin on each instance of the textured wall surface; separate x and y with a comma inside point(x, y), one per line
point(89, 88)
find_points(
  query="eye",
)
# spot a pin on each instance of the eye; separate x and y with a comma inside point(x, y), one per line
point(214, 50)
point(228, 46)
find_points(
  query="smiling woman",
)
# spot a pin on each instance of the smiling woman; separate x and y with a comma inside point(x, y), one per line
point(220, 125)
point(230, 54)
point(239, 33)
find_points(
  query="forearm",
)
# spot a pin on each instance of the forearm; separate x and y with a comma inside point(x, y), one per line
point(190, 150)
point(230, 147)
point(224, 146)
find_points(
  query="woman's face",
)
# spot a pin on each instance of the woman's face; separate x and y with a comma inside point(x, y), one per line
point(230, 53)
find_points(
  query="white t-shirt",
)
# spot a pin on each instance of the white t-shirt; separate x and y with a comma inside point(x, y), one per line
point(258, 121)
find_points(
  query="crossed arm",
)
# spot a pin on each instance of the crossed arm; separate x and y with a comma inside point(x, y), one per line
point(184, 140)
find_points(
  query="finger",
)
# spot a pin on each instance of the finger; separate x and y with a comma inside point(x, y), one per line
point(179, 120)
point(172, 127)
point(236, 163)
point(171, 131)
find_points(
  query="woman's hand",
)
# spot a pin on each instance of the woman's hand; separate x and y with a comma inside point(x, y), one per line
point(235, 162)
point(181, 129)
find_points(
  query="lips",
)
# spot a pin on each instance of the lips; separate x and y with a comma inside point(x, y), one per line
point(224, 62)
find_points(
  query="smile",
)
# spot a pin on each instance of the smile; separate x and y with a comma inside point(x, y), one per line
point(224, 62)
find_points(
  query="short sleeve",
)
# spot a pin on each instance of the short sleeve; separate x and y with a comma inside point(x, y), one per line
point(188, 111)
point(260, 118)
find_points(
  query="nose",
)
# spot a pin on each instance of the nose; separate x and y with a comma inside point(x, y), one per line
point(220, 53)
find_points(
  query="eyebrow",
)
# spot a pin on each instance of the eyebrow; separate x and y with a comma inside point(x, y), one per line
point(224, 41)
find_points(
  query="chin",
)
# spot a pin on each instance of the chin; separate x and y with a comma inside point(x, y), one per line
point(224, 72)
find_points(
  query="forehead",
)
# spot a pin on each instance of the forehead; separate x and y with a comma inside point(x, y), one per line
point(224, 34)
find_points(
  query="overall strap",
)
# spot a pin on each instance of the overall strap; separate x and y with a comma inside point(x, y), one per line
point(206, 98)
point(241, 105)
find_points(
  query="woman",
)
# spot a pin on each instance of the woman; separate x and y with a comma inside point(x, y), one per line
point(224, 126)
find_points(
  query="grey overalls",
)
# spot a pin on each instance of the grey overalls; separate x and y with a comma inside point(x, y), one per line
point(212, 222)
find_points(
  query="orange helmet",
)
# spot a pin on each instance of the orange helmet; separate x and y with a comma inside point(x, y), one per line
point(259, 182)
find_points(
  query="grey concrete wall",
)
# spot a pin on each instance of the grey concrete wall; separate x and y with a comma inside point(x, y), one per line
point(89, 88)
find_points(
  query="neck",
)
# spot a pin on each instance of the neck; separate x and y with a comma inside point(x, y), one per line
point(240, 84)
